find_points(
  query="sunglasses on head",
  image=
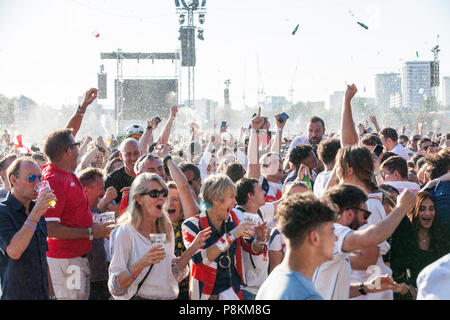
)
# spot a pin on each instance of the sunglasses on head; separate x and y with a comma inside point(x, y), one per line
point(155, 193)
point(366, 213)
point(32, 178)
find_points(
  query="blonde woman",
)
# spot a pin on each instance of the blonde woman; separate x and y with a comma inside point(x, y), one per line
point(140, 270)
point(217, 270)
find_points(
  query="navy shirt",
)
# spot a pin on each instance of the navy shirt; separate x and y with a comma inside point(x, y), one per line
point(27, 277)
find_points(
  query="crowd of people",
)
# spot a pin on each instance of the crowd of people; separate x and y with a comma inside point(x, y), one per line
point(363, 214)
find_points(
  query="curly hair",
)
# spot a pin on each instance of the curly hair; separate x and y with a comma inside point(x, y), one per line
point(328, 150)
point(300, 153)
point(301, 213)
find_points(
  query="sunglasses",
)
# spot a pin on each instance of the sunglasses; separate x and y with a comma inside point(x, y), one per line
point(32, 178)
point(155, 193)
point(366, 213)
point(76, 144)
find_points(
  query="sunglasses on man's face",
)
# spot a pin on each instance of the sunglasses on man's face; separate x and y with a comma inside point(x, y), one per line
point(32, 178)
point(74, 145)
point(155, 193)
point(366, 212)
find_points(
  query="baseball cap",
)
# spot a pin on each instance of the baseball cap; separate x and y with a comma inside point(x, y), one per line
point(133, 130)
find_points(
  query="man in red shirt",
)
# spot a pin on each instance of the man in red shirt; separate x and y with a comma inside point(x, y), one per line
point(69, 223)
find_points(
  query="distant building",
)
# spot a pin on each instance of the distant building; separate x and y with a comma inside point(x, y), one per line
point(446, 91)
point(386, 85)
point(316, 104)
point(416, 83)
point(337, 99)
point(277, 102)
point(204, 110)
point(23, 109)
point(395, 100)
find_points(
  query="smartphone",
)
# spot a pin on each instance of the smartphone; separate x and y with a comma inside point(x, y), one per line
point(283, 116)
point(158, 119)
point(378, 150)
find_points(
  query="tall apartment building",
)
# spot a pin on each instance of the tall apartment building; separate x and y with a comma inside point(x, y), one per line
point(416, 83)
point(337, 99)
point(446, 91)
point(386, 85)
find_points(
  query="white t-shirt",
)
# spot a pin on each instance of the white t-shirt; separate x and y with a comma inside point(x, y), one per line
point(256, 272)
point(277, 242)
point(433, 282)
point(402, 185)
point(299, 140)
point(129, 247)
point(332, 278)
point(401, 151)
point(275, 191)
point(375, 206)
point(321, 183)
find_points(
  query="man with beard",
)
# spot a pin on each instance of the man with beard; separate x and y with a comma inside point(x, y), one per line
point(332, 278)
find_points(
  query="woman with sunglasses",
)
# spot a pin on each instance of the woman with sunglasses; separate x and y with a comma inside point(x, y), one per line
point(217, 269)
point(140, 269)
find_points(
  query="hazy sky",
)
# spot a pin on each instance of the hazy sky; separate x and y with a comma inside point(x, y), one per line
point(48, 50)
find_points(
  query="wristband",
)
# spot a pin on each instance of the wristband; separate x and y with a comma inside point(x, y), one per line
point(279, 130)
point(131, 275)
point(230, 238)
point(100, 149)
point(167, 159)
point(361, 289)
point(80, 112)
point(261, 243)
point(223, 243)
point(149, 128)
point(103, 202)
point(256, 131)
point(91, 234)
point(30, 225)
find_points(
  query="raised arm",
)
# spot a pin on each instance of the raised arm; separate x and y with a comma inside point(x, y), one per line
point(253, 154)
point(373, 119)
point(147, 137)
point(88, 158)
point(276, 145)
point(190, 206)
point(76, 120)
point(377, 233)
point(348, 133)
point(165, 134)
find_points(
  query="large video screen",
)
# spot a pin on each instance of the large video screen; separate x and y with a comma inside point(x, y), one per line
point(146, 98)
